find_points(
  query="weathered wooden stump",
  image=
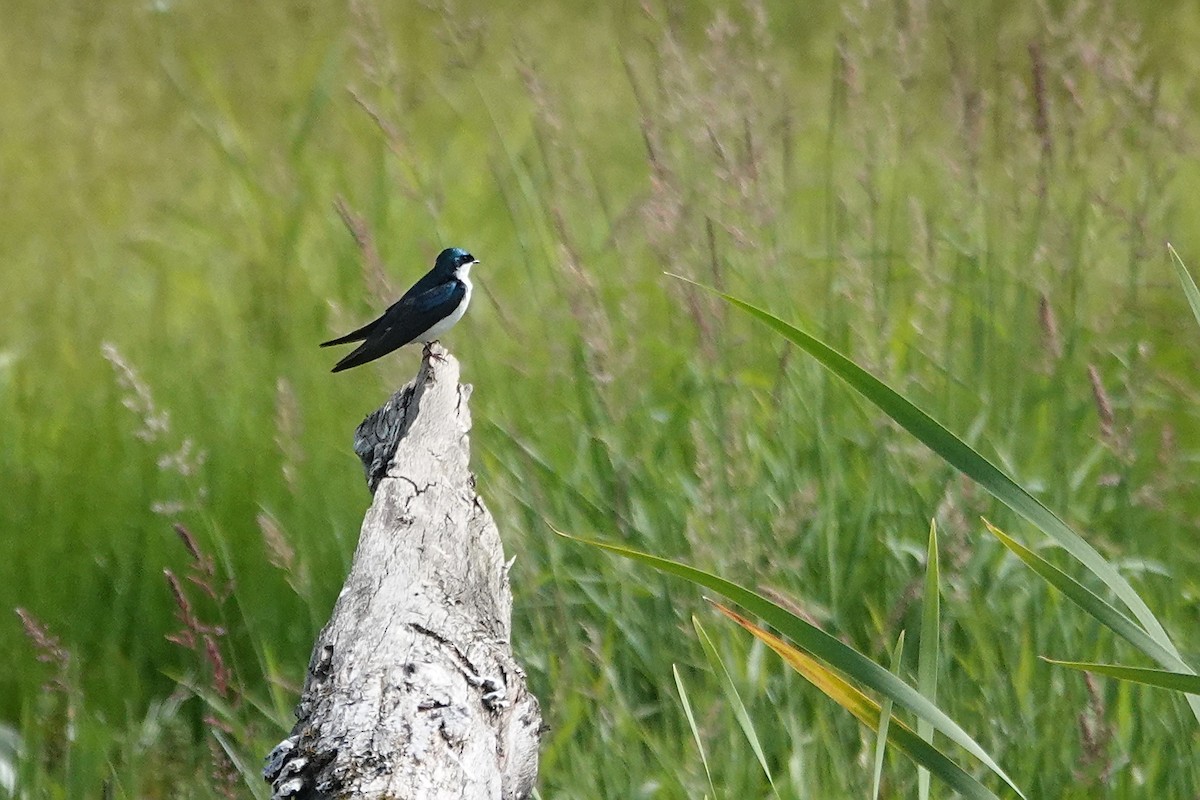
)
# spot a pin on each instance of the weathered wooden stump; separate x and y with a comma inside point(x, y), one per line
point(412, 690)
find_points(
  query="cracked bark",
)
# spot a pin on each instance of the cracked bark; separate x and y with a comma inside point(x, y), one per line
point(412, 690)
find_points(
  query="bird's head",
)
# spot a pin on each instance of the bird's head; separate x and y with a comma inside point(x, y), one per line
point(455, 261)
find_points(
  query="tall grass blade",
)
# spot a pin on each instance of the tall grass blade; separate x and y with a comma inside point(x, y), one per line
point(735, 699)
point(966, 460)
point(1100, 609)
point(1185, 278)
point(885, 718)
point(1176, 681)
point(820, 644)
point(252, 776)
point(691, 719)
point(927, 653)
point(866, 710)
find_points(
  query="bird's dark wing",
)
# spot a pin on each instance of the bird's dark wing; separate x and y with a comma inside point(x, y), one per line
point(404, 322)
point(354, 336)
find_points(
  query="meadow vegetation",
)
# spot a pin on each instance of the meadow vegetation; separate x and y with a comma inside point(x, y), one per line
point(970, 200)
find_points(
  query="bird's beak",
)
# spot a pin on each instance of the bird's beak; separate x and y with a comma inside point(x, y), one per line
point(476, 261)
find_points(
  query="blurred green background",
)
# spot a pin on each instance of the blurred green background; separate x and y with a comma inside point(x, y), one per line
point(972, 200)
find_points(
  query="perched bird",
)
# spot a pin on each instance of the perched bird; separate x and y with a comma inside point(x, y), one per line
point(425, 312)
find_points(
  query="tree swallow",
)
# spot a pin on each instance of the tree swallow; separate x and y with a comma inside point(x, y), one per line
point(425, 312)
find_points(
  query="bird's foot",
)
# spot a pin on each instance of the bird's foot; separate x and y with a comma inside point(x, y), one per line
point(430, 353)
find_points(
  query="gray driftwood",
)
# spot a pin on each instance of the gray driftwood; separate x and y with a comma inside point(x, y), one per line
point(412, 690)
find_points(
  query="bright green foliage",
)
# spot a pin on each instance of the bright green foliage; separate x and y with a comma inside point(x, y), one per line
point(827, 651)
point(970, 200)
point(870, 714)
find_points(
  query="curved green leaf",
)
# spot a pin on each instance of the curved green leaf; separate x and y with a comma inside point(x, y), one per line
point(1103, 611)
point(845, 659)
point(966, 460)
point(1176, 681)
point(735, 699)
point(868, 712)
point(1189, 285)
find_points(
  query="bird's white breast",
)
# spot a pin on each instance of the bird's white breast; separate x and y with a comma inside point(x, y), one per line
point(445, 324)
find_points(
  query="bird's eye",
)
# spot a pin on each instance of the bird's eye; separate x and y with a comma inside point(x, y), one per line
point(464, 258)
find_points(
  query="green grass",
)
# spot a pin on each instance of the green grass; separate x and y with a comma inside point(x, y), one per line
point(892, 182)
